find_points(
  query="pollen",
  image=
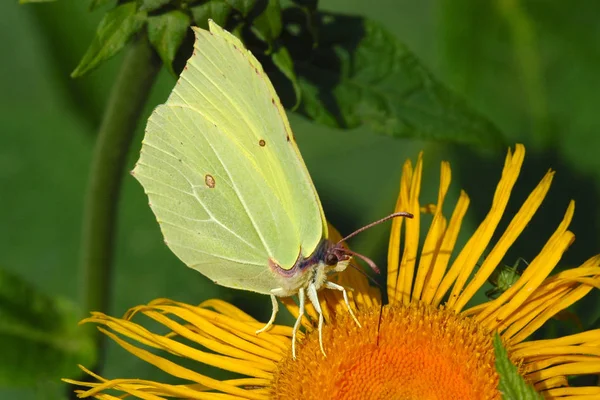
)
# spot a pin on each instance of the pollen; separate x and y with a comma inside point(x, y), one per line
point(412, 352)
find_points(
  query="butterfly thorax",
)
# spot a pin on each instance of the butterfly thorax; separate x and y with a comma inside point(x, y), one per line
point(327, 258)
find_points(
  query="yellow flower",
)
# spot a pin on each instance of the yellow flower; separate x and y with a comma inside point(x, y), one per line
point(411, 348)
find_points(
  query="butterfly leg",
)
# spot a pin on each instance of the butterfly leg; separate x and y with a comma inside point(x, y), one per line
point(335, 286)
point(298, 320)
point(272, 319)
point(314, 299)
point(493, 293)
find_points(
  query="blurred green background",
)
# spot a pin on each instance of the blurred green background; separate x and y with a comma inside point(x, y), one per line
point(530, 66)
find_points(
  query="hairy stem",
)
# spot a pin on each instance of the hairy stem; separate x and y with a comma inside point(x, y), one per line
point(125, 105)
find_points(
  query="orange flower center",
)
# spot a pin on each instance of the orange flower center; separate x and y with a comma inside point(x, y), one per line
point(402, 353)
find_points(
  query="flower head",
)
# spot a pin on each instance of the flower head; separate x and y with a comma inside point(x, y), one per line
point(424, 343)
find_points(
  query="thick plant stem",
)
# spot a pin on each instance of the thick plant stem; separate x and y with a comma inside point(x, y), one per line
point(125, 105)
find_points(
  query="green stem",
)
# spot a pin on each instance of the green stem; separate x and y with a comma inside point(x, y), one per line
point(125, 106)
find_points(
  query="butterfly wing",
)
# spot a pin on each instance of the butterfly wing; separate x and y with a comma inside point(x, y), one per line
point(224, 176)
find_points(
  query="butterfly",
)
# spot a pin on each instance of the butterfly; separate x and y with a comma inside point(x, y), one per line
point(228, 185)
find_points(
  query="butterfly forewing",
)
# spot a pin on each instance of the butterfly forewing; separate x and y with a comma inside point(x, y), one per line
point(222, 171)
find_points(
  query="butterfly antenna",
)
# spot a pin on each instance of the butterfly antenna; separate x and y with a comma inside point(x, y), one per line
point(379, 221)
point(379, 322)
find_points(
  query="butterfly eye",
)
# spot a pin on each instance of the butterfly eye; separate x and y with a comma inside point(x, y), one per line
point(331, 259)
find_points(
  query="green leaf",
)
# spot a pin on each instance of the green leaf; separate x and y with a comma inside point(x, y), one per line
point(95, 4)
point(217, 10)
point(268, 25)
point(114, 31)
point(35, 1)
point(512, 385)
point(166, 33)
point(310, 4)
point(360, 74)
point(152, 5)
point(39, 335)
point(283, 61)
point(243, 6)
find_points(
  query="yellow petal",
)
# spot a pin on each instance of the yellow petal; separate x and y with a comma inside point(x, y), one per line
point(411, 247)
point(435, 236)
point(393, 277)
point(510, 235)
point(533, 275)
point(445, 251)
point(467, 259)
